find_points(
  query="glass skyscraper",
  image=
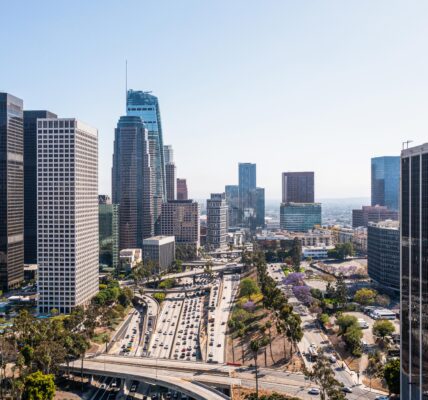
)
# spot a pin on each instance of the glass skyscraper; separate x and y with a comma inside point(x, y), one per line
point(146, 106)
point(414, 273)
point(247, 192)
point(132, 182)
point(385, 181)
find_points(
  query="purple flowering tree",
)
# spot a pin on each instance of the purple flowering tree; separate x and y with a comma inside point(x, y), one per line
point(249, 306)
point(294, 279)
point(303, 294)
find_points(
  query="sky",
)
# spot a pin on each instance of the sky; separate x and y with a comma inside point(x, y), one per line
point(289, 85)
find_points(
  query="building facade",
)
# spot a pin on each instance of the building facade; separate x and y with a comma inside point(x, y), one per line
point(232, 200)
point(180, 218)
point(298, 187)
point(171, 181)
point(146, 106)
point(168, 154)
point(414, 273)
point(182, 193)
point(300, 217)
point(132, 182)
point(247, 192)
point(11, 191)
point(30, 182)
point(385, 181)
point(260, 207)
point(383, 254)
point(67, 213)
point(362, 217)
point(159, 250)
point(217, 221)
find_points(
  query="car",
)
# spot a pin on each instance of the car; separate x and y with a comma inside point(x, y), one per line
point(133, 388)
point(314, 391)
point(381, 398)
point(332, 359)
point(346, 389)
point(219, 345)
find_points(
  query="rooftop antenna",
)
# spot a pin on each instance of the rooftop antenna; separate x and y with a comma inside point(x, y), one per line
point(405, 145)
point(126, 86)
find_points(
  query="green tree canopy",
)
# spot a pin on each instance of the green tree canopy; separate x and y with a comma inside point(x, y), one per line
point(391, 374)
point(383, 328)
point(365, 296)
point(39, 386)
point(248, 287)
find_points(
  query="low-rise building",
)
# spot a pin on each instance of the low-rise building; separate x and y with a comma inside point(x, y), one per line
point(372, 214)
point(316, 252)
point(160, 250)
point(129, 258)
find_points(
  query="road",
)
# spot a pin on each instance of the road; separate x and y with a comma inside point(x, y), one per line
point(312, 334)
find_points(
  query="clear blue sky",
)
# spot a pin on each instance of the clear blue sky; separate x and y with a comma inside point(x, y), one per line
point(291, 85)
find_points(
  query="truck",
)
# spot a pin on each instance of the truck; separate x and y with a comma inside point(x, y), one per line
point(313, 353)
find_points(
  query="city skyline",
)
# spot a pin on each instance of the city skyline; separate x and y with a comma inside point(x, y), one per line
point(314, 94)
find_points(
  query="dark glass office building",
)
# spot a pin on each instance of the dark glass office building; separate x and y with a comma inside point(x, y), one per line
point(132, 182)
point(298, 187)
point(30, 182)
point(383, 255)
point(414, 273)
point(260, 207)
point(232, 200)
point(385, 181)
point(11, 191)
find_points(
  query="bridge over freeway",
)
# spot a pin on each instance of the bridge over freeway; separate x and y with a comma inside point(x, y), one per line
point(197, 381)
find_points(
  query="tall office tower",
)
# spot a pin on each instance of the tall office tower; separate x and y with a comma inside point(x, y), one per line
point(146, 106)
point(168, 154)
point(300, 217)
point(247, 194)
point(132, 182)
point(383, 254)
point(67, 213)
point(30, 183)
point(385, 174)
point(182, 189)
point(232, 200)
point(11, 192)
point(260, 208)
point(108, 230)
point(180, 218)
point(217, 221)
point(298, 187)
point(414, 273)
point(171, 181)
point(362, 217)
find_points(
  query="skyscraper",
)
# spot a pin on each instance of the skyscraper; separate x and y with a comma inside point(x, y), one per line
point(232, 200)
point(182, 189)
point(217, 221)
point(300, 217)
point(298, 187)
point(30, 183)
point(260, 207)
point(67, 213)
point(132, 182)
point(171, 181)
point(414, 273)
point(146, 106)
point(385, 181)
point(168, 154)
point(247, 187)
point(11, 191)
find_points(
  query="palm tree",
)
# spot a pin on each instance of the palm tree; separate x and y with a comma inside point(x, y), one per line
point(241, 336)
point(268, 326)
point(255, 346)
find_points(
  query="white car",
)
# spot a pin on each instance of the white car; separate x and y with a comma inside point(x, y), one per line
point(314, 391)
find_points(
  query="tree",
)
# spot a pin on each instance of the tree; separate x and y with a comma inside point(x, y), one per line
point(345, 321)
point(383, 328)
point(160, 297)
point(294, 279)
point(353, 338)
point(255, 346)
point(296, 254)
point(248, 287)
point(324, 319)
point(391, 374)
point(365, 296)
point(39, 386)
point(322, 373)
point(341, 290)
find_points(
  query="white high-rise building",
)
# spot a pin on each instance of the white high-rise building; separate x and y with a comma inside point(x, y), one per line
point(217, 221)
point(67, 213)
point(168, 154)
